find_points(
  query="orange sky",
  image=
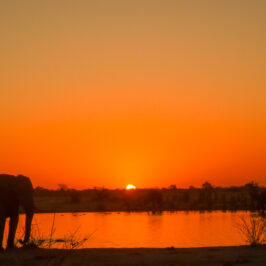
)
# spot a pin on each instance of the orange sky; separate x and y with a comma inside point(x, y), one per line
point(152, 93)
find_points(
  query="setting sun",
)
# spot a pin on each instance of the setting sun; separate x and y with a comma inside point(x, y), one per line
point(168, 95)
point(130, 187)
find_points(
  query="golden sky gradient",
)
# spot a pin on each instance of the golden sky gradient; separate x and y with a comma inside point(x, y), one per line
point(150, 93)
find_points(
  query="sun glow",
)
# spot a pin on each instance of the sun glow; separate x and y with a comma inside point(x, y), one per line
point(130, 187)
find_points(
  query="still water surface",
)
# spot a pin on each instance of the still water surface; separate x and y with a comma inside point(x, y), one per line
point(178, 229)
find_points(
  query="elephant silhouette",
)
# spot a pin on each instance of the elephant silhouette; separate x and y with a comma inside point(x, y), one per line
point(15, 191)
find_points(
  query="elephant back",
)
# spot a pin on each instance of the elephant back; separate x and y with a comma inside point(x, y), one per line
point(7, 183)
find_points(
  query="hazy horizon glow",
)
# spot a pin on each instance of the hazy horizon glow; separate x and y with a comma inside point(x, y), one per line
point(103, 93)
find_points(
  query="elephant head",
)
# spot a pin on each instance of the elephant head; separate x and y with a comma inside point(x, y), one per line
point(24, 190)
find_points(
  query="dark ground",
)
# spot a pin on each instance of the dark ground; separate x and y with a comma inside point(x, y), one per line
point(222, 256)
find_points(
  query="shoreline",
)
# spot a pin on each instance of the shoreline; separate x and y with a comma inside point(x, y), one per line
point(136, 211)
point(203, 256)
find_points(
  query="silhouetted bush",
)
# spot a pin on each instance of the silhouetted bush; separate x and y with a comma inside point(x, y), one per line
point(252, 227)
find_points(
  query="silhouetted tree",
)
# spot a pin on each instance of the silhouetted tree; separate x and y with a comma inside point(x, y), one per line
point(223, 202)
point(207, 186)
point(207, 191)
point(74, 197)
point(154, 197)
point(232, 203)
point(186, 197)
point(253, 190)
point(62, 187)
point(262, 202)
point(172, 187)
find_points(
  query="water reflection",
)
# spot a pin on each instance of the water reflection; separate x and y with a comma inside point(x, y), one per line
point(178, 229)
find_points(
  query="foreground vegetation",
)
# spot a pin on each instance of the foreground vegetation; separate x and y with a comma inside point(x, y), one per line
point(252, 228)
point(248, 197)
point(220, 256)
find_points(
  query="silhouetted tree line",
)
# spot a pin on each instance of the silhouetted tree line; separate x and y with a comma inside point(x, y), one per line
point(248, 197)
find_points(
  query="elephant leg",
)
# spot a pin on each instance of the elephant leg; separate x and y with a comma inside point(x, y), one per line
point(13, 223)
point(2, 228)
